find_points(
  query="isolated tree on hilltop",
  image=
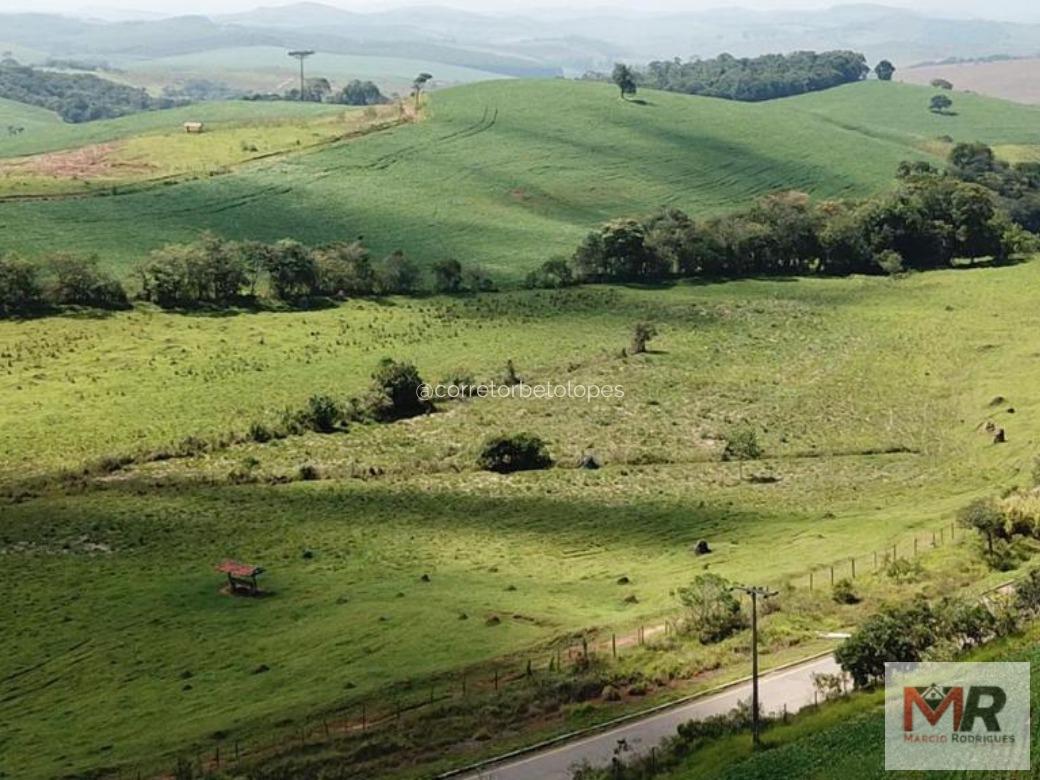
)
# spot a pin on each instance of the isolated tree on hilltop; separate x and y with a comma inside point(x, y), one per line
point(942, 84)
point(939, 104)
point(624, 78)
point(884, 70)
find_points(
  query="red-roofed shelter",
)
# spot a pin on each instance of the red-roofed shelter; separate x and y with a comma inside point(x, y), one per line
point(241, 576)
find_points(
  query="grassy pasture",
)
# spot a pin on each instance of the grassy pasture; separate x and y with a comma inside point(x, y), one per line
point(46, 132)
point(866, 393)
point(175, 153)
point(508, 173)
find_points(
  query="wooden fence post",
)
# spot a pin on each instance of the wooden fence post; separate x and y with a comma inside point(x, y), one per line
point(810, 579)
point(853, 562)
point(613, 645)
point(832, 575)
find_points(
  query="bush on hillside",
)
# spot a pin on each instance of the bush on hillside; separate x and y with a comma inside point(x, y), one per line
point(552, 274)
point(712, 611)
point(397, 275)
point(396, 393)
point(20, 290)
point(78, 281)
point(344, 270)
point(517, 452)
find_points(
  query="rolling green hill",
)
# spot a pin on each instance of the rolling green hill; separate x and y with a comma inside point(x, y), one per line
point(508, 173)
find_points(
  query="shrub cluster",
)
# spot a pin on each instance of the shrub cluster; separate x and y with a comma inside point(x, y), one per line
point(918, 630)
point(518, 452)
point(394, 394)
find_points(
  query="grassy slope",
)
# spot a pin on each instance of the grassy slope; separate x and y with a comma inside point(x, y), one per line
point(831, 367)
point(509, 173)
point(45, 132)
point(172, 153)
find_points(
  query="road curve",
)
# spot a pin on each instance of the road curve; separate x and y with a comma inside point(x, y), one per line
point(791, 687)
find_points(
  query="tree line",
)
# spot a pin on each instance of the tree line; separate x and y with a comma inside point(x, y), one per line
point(320, 90)
point(756, 78)
point(215, 272)
point(929, 221)
point(75, 97)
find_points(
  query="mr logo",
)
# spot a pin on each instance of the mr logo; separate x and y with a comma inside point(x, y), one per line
point(983, 702)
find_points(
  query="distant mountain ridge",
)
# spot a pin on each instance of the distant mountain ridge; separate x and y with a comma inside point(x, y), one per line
point(534, 44)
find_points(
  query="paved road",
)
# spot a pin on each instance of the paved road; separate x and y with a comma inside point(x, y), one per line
point(792, 687)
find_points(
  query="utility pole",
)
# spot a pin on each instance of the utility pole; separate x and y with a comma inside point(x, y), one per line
point(765, 593)
point(301, 55)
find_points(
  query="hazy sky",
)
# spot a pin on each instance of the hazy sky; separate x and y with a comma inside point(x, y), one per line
point(1021, 10)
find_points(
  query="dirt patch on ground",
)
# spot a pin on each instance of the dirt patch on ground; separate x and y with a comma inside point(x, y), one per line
point(87, 162)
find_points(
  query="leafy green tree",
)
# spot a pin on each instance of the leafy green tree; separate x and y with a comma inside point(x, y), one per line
point(1027, 593)
point(884, 70)
point(396, 392)
point(361, 93)
point(322, 415)
point(712, 611)
point(939, 104)
point(517, 452)
point(344, 269)
point(742, 445)
point(941, 84)
point(895, 633)
point(986, 517)
point(397, 274)
point(292, 270)
point(447, 276)
point(618, 251)
point(79, 281)
point(19, 286)
point(554, 273)
point(477, 279)
point(624, 79)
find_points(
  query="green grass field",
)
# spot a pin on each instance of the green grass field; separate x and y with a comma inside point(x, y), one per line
point(508, 173)
point(117, 582)
point(46, 132)
point(169, 154)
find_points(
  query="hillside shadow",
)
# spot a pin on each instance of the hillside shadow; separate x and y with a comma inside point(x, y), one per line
point(641, 524)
